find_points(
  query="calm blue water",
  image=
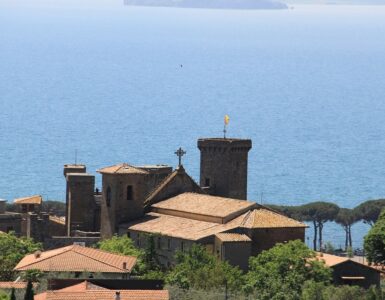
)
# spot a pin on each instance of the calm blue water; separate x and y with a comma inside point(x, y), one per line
point(307, 85)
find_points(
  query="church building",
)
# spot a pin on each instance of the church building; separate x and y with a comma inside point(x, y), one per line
point(177, 211)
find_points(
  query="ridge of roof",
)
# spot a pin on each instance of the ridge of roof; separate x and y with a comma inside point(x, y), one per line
point(165, 182)
point(35, 199)
point(104, 262)
point(62, 250)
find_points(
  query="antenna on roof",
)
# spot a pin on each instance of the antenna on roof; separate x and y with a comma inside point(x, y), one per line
point(76, 157)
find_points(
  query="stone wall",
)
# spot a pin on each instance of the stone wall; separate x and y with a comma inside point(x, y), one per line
point(62, 241)
point(266, 238)
point(223, 166)
point(10, 222)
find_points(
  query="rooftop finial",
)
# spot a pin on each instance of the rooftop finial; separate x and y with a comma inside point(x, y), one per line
point(180, 152)
point(227, 120)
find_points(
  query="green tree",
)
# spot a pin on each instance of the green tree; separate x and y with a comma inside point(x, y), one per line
point(29, 293)
point(13, 295)
point(119, 245)
point(3, 295)
point(318, 213)
point(198, 269)
point(346, 218)
point(12, 250)
point(280, 272)
point(374, 242)
point(369, 211)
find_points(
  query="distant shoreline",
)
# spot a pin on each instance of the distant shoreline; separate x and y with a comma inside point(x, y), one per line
point(212, 4)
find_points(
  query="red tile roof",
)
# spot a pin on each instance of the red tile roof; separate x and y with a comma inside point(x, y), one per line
point(88, 291)
point(76, 258)
point(122, 169)
point(11, 284)
point(37, 199)
point(232, 237)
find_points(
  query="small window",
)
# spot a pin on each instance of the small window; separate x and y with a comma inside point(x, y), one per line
point(130, 195)
point(207, 182)
point(159, 243)
point(108, 197)
point(9, 229)
point(24, 208)
point(169, 244)
point(182, 246)
point(129, 234)
point(138, 240)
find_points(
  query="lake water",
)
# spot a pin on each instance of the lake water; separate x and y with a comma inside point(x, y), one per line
point(307, 85)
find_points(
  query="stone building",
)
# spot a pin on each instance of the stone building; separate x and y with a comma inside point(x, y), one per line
point(9, 221)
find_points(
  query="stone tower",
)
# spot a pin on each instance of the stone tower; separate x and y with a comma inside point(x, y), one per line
point(125, 188)
point(80, 203)
point(223, 169)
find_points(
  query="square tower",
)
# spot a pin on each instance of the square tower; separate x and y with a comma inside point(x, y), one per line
point(223, 169)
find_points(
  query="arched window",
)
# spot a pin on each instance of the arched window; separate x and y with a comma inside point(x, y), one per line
point(108, 197)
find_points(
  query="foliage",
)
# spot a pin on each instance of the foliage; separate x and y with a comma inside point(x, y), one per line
point(29, 293)
point(148, 264)
point(374, 242)
point(319, 291)
point(349, 252)
point(319, 213)
point(53, 207)
point(329, 248)
point(13, 295)
point(280, 272)
point(12, 250)
point(32, 275)
point(3, 295)
point(198, 269)
point(346, 218)
point(369, 211)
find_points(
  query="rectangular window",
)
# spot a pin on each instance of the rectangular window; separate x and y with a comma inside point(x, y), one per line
point(24, 208)
point(169, 244)
point(129, 234)
point(138, 240)
point(159, 243)
point(207, 182)
point(182, 248)
point(130, 194)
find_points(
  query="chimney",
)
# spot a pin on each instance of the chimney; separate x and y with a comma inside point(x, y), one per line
point(124, 266)
point(117, 296)
point(37, 254)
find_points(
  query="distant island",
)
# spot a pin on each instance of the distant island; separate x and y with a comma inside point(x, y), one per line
point(215, 4)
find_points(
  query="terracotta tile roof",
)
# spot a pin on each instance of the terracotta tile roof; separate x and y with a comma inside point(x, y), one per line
point(331, 260)
point(179, 227)
point(202, 204)
point(265, 218)
point(233, 237)
point(56, 219)
point(122, 169)
point(105, 295)
point(11, 284)
point(89, 291)
point(76, 258)
point(37, 199)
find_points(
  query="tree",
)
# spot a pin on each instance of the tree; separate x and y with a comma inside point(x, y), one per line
point(29, 293)
point(369, 211)
point(3, 295)
point(318, 213)
point(198, 269)
point(280, 272)
point(13, 295)
point(374, 242)
point(346, 218)
point(12, 250)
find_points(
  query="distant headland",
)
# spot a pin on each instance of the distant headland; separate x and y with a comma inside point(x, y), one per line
point(214, 4)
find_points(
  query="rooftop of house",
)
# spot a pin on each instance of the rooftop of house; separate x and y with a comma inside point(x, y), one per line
point(90, 291)
point(122, 169)
point(205, 205)
point(36, 199)
point(76, 258)
point(13, 285)
point(232, 237)
point(192, 229)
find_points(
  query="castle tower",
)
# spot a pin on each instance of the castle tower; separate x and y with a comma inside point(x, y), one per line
point(80, 203)
point(125, 188)
point(224, 166)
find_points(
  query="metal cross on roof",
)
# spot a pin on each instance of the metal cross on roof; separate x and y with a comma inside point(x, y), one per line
point(180, 152)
